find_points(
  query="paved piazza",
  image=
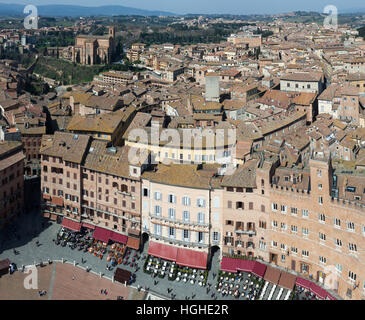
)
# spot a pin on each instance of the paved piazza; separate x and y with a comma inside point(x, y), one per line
point(27, 230)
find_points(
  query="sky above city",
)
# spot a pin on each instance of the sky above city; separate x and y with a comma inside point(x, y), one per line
point(212, 6)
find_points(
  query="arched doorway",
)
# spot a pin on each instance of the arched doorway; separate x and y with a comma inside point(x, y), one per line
point(214, 257)
point(145, 239)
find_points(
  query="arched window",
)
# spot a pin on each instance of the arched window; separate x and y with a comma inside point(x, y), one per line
point(124, 188)
point(115, 185)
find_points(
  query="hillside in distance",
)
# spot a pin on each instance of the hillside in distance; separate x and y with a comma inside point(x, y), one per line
point(77, 11)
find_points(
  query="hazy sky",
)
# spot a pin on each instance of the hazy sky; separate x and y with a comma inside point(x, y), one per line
point(212, 6)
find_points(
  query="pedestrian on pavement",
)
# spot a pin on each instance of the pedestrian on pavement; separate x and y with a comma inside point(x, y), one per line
point(73, 277)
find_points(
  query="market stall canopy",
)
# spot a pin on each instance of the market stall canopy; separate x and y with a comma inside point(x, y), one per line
point(122, 275)
point(4, 266)
point(133, 243)
point(287, 280)
point(272, 275)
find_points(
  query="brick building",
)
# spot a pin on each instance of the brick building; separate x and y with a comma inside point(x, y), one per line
point(11, 181)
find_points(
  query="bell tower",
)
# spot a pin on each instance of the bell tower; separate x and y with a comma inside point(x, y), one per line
point(112, 32)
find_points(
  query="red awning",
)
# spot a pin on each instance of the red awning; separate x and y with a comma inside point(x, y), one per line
point(192, 258)
point(318, 291)
point(117, 237)
point(229, 264)
point(162, 251)
point(304, 283)
point(245, 265)
point(102, 234)
point(330, 297)
point(88, 225)
point(72, 225)
point(259, 269)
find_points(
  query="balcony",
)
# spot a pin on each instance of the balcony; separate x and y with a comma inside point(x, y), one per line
point(112, 214)
point(188, 223)
point(247, 232)
point(179, 242)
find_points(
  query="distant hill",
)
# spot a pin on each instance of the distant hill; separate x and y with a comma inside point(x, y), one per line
point(79, 11)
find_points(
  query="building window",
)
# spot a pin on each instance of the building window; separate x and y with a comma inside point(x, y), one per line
point(172, 214)
point(158, 229)
point(321, 218)
point(274, 207)
point(215, 236)
point(186, 235)
point(158, 195)
point(337, 223)
point(200, 203)
point(145, 192)
point(352, 276)
point(350, 226)
point(322, 236)
point(171, 232)
point(201, 217)
point(158, 210)
point(305, 232)
point(322, 260)
point(186, 201)
point(186, 216)
point(171, 198)
point(305, 213)
point(352, 247)
point(200, 237)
